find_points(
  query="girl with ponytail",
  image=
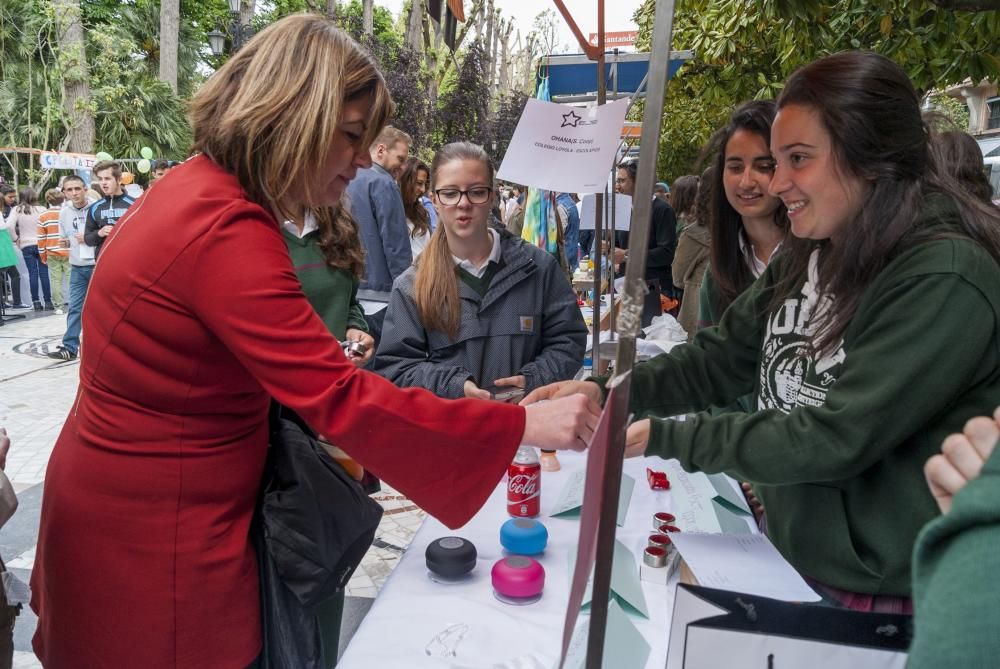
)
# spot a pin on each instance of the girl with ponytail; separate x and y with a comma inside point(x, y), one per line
point(481, 309)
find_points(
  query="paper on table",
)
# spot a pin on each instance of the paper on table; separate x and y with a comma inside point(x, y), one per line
point(692, 497)
point(727, 495)
point(571, 497)
point(625, 586)
point(744, 563)
point(624, 645)
point(731, 508)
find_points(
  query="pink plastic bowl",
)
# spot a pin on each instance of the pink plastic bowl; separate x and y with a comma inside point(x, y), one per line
point(518, 576)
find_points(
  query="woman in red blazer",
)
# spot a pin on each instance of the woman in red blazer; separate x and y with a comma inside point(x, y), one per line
point(194, 319)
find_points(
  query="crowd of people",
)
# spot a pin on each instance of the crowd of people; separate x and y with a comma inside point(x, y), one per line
point(837, 274)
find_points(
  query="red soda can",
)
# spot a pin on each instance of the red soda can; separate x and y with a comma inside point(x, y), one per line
point(524, 484)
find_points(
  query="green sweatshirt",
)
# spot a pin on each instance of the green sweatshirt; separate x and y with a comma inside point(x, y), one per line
point(837, 446)
point(333, 293)
point(955, 588)
point(708, 300)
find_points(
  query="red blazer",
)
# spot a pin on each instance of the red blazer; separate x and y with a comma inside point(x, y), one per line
point(194, 318)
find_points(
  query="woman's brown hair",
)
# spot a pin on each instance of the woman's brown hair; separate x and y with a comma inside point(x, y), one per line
point(683, 196)
point(339, 240)
point(413, 208)
point(435, 288)
point(270, 115)
point(27, 200)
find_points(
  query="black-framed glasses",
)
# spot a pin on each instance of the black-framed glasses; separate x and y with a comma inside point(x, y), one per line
point(476, 195)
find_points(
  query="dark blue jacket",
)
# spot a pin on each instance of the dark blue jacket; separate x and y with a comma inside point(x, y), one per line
point(374, 200)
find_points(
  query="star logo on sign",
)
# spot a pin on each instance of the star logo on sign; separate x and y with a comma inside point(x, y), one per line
point(571, 119)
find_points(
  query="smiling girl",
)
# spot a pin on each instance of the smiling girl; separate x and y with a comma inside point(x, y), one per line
point(747, 225)
point(481, 308)
point(866, 342)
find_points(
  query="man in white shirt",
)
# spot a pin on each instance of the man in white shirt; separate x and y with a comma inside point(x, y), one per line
point(72, 221)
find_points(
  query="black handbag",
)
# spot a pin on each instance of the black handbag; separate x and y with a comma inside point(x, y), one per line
point(313, 525)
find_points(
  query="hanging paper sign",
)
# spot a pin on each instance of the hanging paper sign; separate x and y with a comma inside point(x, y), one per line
point(564, 149)
point(623, 212)
point(57, 160)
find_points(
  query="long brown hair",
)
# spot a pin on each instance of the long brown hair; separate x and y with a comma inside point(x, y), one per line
point(27, 200)
point(435, 288)
point(339, 240)
point(870, 109)
point(957, 153)
point(728, 265)
point(270, 114)
point(413, 208)
point(683, 196)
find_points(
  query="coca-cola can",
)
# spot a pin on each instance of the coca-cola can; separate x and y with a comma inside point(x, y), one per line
point(524, 484)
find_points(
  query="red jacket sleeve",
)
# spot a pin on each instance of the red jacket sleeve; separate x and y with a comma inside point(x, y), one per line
point(445, 455)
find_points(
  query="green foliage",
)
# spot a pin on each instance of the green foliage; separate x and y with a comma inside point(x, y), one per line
point(745, 50)
point(132, 108)
point(954, 109)
point(383, 26)
point(464, 109)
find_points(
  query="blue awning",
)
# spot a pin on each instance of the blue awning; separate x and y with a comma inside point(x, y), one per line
point(575, 76)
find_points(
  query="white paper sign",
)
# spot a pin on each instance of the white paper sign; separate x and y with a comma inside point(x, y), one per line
point(742, 563)
point(564, 149)
point(55, 160)
point(623, 212)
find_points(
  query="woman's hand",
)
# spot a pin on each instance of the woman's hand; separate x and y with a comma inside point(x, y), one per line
point(755, 504)
point(475, 392)
point(637, 438)
point(511, 382)
point(362, 337)
point(567, 423)
point(961, 459)
point(554, 391)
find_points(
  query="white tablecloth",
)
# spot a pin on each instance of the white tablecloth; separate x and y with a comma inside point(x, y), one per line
point(411, 609)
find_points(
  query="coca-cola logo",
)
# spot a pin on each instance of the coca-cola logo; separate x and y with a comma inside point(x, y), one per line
point(523, 484)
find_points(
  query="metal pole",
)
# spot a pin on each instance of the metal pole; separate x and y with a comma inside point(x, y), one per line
point(614, 208)
point(602, 93)
point(630, 321)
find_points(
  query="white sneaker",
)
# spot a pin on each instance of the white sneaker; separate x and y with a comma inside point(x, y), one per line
point(59, 311)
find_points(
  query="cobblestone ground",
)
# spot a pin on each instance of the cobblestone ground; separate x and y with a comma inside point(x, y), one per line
point(36, 393)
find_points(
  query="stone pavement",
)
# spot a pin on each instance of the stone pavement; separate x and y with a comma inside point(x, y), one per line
point(36, 393)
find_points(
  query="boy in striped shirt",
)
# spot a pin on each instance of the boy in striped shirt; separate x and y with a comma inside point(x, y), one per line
point(51, 249)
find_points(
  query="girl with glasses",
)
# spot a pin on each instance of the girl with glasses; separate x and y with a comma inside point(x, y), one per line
point(482, 310)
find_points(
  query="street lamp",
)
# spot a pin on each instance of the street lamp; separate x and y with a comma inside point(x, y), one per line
point(238, 32)
point(217, 42)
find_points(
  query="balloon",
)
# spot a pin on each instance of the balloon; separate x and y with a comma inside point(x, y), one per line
point(103, 155)
point(143, 165)
point(146, 153)
point(127, 178)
